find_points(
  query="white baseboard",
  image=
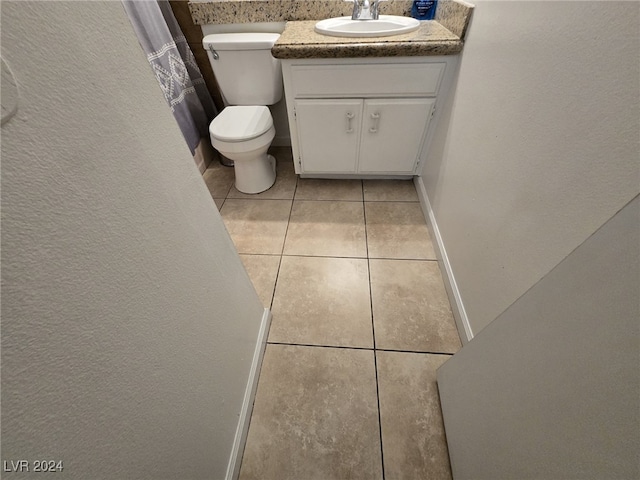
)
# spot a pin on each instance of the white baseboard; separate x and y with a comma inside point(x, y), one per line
point(457, 306)
point(233, 469)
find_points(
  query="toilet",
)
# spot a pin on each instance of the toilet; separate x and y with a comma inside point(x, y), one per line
point(250, 78)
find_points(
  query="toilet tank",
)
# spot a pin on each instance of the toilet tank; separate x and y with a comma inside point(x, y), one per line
point(245, 70)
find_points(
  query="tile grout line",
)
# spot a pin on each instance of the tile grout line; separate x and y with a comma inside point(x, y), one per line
point(333, 256)
point(351, 347)
point(327, 200)
point(373, 331)
point(311, 345)
point(351, 257)
point(284, 241)
point(392, 201)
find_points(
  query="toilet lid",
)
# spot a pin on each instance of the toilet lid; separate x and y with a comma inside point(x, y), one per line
point(240, 123)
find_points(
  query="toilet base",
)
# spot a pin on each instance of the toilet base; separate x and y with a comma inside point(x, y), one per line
point(255, 175)
point(224, 161)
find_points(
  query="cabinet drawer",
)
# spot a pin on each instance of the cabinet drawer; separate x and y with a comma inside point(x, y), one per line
point(409, 79)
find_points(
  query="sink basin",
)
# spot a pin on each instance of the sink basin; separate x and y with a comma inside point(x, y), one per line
point(385, 26)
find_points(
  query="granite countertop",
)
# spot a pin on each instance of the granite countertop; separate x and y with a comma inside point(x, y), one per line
point(299, 40)
point(442, 36)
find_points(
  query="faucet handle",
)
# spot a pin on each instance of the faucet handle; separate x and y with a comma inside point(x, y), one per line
point(356, 9)
point(375, 5)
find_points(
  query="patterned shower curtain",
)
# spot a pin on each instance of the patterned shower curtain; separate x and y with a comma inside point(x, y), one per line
point(175, 67)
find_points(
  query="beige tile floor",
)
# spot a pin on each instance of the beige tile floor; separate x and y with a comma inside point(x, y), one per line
point(361, 321)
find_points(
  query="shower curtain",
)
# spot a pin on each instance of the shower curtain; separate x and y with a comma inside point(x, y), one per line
point(175, 67)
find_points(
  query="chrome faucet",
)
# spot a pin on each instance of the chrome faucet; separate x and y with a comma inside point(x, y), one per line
point(365, 9)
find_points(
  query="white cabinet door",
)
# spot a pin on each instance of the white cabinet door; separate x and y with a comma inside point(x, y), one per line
point(329, 134)
point(392, 134)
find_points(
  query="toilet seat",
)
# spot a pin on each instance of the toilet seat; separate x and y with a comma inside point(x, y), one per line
point(243, 134)
point(241, 123)
point(229, 147)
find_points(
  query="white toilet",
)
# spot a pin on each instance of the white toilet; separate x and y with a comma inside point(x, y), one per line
point(249, 78)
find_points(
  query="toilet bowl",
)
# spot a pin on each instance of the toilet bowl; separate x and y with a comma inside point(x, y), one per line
point(243, 134)
point(249, 78)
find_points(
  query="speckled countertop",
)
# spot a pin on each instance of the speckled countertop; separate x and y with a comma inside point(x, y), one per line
point(299, 40)
point(442, 36)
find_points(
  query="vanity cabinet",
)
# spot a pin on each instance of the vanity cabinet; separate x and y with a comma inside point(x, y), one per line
point(372, 136)
point(361, 117)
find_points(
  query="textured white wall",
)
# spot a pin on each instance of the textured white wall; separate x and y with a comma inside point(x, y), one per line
point(128, 321)
point(540, 145)
point(550, 390)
